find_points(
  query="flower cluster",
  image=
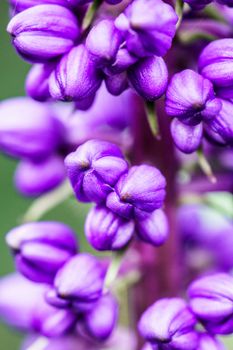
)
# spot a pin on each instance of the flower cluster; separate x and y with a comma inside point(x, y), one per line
point(71, 63)
point(171, 323)
point(70, 284)
point(124, 204)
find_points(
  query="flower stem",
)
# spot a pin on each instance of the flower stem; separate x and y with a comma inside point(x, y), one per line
point(152, 119)
point(47, 202)
point(91, 13)
point(179, 7)
point(205, 166)
point(114, 268)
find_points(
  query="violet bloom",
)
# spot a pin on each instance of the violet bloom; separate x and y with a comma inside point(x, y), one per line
point(28, 129)
point(149, 77)
point(103, 41)
point(41, 41)
point(215, 63)
point(208, 342)
point(211, 300)
point(117, 83)
point(41, 249)
point(21, 5)
point(36, 178)
point(80, 282)
point(198, 4)
point(94, 168)
point(132, 196)
point(106, 230)
point(190, 99)
point(37, 82)
point(169, 324)
point(148, 26)
point(76, 76)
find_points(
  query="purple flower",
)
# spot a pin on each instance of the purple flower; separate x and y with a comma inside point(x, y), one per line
point(149, 27)
point(101, 320)
point(198, 4)
point(28, 129)
point(169, 324)
point(153, 227)
point(124, 59)
point(208, 342)
point(21, 5)
point(211, 300)
point(133, 196)
point(36, 178)
point(103, 41)
point(80, 281)
point(76, 76)
point(41, 249)
point(149, 77)
point(37, 81)
point(94, 168)
point(117, 83)
point(215, 63)
point(106, 230)
point(40, 40)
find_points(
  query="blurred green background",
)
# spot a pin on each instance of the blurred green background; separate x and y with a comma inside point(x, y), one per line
point(12, 206)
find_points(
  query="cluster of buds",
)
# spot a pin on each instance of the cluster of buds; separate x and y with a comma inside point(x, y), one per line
point(124, 204)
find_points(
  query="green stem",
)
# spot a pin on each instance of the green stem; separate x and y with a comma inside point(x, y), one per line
point(47, 202)
point(205, 166)
point(114, 269)
point(91, 13)
point(152, 119)
point(179, 7)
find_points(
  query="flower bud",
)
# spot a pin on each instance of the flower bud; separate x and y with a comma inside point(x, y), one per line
point(76, 76)
point(117, 83)
point(169, 324)
point(187, 138)
point(133, 195)
point(207, 342)
point(94, 168)
point(36, 178)
point(41, 249)
point(103, 41)
point(191, 98)
point(153, 227)
point(106, 230)
point(28, 129)
point(80, 280)
point(37, 86)
point(216, 64)
point(149, 77)
point(101, 320)
point(198, 4)
point(122, 62)
point(211, 300)
point(149, 27)
point(40, 41)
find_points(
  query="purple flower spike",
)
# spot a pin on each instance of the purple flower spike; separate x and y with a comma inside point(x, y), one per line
point(187, 138)
point(211, 300)
point(221, 127)
point(94, 168)
point(207, 342)
point(37, 82)
point(76, 77)
point(149, 27)
point(191, 98)
point(169, 324)
point(81, 280)
point(153, 228)
point(28, 129)
point(132, 195)
point(149, 77)
point(36, 178)
point(216, 64)
point(104, 49)
point(40, 41)
point(41, 249)
point(106, 230)
point(101, 320)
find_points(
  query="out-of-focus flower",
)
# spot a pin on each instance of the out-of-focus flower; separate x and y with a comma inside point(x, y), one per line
point(198, 4)
point(211, 300)
point(41, 41)
point(36, 178)
point(132, 196)
point(94, 168)
point(41, 249)
point(208, 342)
point(169, 324)
point(149, 27)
